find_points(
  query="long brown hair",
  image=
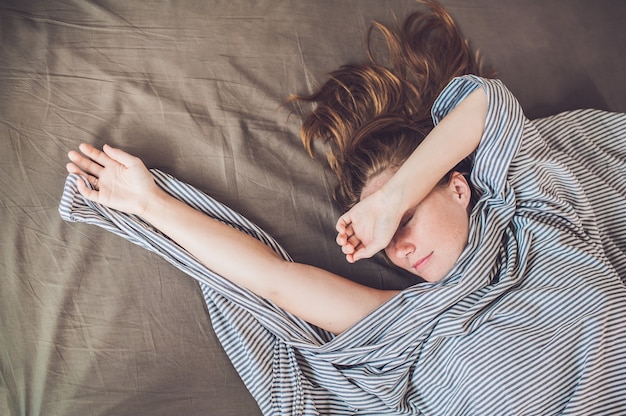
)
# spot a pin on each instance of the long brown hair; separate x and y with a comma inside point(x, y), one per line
point(375, 114)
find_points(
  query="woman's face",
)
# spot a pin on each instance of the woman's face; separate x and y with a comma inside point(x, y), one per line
point(433, 234)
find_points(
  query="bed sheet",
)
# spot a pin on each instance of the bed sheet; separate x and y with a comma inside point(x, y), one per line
point(90, 324)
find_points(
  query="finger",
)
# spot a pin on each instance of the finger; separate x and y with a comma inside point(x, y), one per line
point(347, 239)
point(344, 232)
point(96, 155)
point(342, 239)
point(357, 255)
point(354, 241)
point(362, 252)
point(72, 168)
point(342, 224)
point(88, 193)
point(85, 165)
point(119, 155)
point(347, 249)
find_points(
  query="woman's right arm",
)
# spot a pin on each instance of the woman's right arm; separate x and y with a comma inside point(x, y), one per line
point(370, 225)
point(313, 294)
point(122, 182)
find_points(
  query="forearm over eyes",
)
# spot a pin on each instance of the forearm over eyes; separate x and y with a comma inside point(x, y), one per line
point(313, 294)
point(456, 136)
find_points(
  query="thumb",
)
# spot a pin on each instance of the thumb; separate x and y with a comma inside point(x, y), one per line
point(364, 252)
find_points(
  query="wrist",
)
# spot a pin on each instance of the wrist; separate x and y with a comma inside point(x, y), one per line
point(402, 192)
point(153, 204)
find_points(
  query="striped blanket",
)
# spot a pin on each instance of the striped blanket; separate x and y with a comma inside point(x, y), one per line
point(532, 319)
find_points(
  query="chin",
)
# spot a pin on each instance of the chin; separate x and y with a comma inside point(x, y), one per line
point(433, 276)
point(428, 277)
point(431, 279)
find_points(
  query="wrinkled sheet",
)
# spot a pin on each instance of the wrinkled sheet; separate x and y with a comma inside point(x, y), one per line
point(91, 324)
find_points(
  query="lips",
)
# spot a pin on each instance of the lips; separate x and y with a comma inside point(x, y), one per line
point(421, 262)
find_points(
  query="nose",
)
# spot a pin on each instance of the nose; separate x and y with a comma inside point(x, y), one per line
point(400, 248)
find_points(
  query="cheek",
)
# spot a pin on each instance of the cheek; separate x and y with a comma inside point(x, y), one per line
point(458, 222)
point(448, 226)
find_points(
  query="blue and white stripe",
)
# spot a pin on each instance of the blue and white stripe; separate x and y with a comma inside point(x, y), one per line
point(532, 320)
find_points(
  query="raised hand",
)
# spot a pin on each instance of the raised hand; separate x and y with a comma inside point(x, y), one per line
point(120, 181)
point(368, 227)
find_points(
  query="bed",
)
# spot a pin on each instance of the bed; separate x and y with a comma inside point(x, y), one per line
point(91, 324)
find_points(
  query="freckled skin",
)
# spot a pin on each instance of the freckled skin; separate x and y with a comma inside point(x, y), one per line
point(433, 234)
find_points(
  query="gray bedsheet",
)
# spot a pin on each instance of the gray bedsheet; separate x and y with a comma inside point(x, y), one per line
point(92, 325)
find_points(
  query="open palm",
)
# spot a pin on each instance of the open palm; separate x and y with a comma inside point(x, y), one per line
point(119, 180)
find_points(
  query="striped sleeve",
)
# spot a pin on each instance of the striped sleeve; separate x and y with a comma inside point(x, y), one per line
point(257, 336)
point(503, 129)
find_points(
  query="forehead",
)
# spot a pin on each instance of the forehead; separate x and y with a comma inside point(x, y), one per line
point(376, 182)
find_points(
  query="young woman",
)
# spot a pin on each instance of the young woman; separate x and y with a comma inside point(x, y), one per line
point(523, 308)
